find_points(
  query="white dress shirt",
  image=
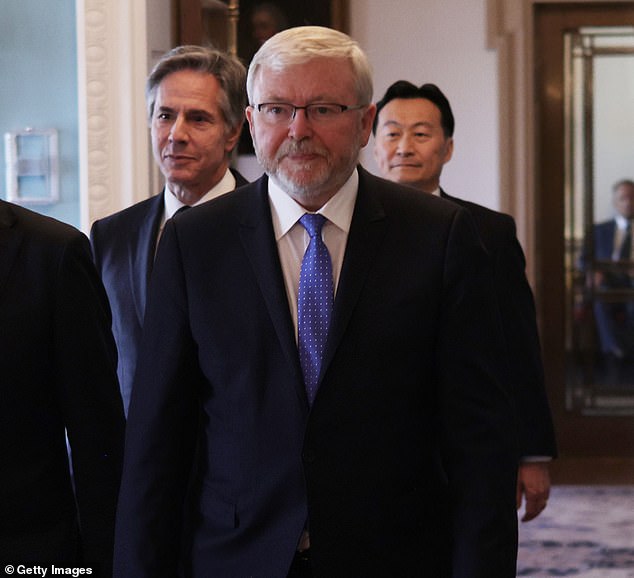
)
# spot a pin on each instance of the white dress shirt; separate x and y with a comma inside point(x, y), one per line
point(171, 204)
point(619, 236)
point(292, 239)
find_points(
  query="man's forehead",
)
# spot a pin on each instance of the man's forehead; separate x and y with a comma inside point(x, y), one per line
point(393, 119)
point(299, 76)
point(624, 191)
point(389, 122)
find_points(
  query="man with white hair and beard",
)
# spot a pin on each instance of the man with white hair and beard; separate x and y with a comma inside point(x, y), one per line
point(317, 389)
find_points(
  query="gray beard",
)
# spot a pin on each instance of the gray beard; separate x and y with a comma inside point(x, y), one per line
point(303, 191)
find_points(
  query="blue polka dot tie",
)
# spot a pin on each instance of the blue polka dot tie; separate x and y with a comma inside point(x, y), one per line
point(314, 303)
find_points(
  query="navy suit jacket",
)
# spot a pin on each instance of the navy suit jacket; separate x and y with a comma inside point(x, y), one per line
point(517, 310)
point(404, 466)
point(124, 247)
point(58, 365)
point(613, 278)
point(604, 240)
point(602, 244)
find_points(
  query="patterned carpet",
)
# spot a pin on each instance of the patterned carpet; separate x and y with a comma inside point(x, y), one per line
point(586, 532)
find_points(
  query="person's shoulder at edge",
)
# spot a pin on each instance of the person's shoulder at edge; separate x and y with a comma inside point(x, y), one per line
point(138, 209)
point(40, 227)
point(482, 210)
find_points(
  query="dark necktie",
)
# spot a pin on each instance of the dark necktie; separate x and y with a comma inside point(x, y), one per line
point(314, 303)
point(181, 210)
point(162, 227)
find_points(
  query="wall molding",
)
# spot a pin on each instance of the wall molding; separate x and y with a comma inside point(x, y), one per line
point(113, 135)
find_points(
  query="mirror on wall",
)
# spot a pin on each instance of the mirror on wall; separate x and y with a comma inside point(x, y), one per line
point(599, 132)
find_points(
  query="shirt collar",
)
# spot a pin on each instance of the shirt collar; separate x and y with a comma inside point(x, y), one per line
point(226, 184)
point(338, 210)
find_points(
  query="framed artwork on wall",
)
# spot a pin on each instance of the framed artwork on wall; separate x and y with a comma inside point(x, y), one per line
point(241, 26)
point(211, 21)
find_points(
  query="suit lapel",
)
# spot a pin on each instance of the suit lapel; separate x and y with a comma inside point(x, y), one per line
point(258, 239)
point(142, 248)
point(240, 180)
point(366, 234)
point(10, 240)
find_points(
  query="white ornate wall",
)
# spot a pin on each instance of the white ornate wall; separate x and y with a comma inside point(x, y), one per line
point(113, 138)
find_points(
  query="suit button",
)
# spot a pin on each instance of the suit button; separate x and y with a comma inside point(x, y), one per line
point(309, 456)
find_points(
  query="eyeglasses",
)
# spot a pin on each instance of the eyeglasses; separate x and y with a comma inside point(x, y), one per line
point(283, 113)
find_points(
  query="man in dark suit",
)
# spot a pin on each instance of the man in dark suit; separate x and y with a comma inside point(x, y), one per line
point(369, 438)
point(413, 140)
point(612, 242)
point(58, 379)
point(196, 98)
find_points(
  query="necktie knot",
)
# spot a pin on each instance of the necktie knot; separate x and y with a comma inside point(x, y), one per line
point(313, 223)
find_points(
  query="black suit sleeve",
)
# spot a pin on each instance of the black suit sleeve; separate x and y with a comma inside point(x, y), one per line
point(526, 375)
point(162, 428)
point(477, 418)
point(85, 361)
point(522, 362)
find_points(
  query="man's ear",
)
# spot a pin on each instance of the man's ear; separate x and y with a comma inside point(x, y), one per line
point(232, 138)
point(448, 150)
point(366, 123)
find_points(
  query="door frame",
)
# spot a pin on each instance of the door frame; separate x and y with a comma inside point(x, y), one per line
point(512, 32)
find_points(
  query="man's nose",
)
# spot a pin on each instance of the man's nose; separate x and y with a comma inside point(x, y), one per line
point(404, 146)
point(178, 130)
point(300, 125)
